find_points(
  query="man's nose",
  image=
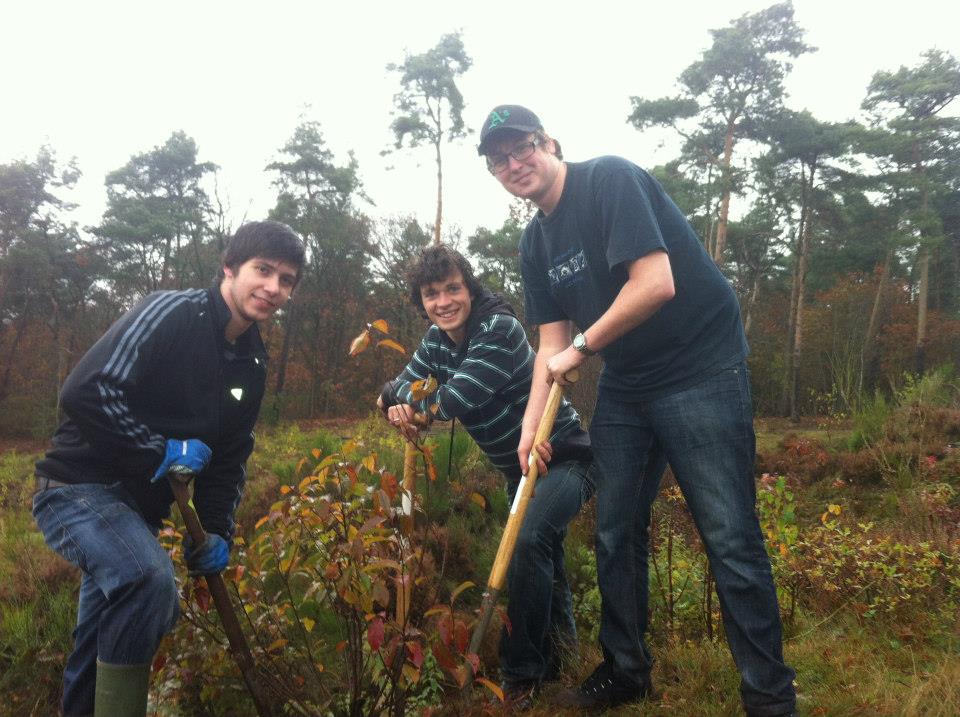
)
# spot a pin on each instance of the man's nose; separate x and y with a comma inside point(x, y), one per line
point(513, 162)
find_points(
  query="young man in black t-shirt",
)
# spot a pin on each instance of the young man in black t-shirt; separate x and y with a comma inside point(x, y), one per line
point(610, 253)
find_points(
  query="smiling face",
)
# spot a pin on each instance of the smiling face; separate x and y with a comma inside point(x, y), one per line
point(538, 177)
point(448, 305)
point(255, 290)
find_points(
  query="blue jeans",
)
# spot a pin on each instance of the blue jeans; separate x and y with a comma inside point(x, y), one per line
point(706, 435)
point(128, 597)
point(540, 607)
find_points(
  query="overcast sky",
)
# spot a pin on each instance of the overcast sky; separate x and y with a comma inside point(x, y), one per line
point(102, 81)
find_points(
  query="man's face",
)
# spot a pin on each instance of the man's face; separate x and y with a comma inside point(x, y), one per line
point(529, 178)
point(258, 288)
point(448, 304)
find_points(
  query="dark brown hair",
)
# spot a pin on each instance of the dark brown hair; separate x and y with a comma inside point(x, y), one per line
point(267, 239)
point(436, 263)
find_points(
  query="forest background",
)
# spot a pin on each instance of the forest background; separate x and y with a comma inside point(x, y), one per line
point(840, 238)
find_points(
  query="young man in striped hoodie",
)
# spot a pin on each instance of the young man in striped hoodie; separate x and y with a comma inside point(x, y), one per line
point(478, 352)
point(175, 382)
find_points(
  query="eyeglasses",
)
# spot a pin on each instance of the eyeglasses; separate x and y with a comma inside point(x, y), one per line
point(496, 163)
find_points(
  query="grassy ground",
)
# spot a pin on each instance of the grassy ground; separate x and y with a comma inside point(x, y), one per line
point(846, 664)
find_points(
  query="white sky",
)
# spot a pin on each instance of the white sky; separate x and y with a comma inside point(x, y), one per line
point(105, 80)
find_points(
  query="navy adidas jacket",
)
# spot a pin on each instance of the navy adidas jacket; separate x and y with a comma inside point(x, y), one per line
point(163, 370)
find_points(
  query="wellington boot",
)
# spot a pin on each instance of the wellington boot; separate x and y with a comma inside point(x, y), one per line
point(121, 690)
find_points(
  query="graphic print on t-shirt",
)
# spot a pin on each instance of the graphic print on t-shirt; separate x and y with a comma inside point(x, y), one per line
point(567, 271)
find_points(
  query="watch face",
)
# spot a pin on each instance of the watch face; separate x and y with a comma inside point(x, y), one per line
point(578, 342)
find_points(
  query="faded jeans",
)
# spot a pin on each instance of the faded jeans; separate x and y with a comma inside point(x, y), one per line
point(706, 434)
point(540, 607)
point(128, 597)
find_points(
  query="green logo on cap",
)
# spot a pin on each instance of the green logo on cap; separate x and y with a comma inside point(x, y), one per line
point(498, 118)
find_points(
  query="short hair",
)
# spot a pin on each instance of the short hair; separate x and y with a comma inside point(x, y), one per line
point(436, 263)
point(268, 239)
point(542, 136)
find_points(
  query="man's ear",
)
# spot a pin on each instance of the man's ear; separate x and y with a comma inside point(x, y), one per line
point(227, 272)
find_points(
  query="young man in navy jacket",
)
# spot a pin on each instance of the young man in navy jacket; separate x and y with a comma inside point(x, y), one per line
point(175, 383)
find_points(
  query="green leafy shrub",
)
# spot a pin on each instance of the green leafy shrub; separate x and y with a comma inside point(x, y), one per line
point(937, 388)
point(342, 601)
point(857, 565)
point(869, 420)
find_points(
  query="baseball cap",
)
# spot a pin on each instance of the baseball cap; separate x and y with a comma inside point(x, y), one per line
point(503, 117)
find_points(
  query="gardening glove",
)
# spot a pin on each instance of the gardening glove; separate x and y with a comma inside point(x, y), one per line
point(189, 456)
point(209, 558)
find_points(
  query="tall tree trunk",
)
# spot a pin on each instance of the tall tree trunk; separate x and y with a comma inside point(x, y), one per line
point(798, 320)
point(709, 214)
point(708, 241)
point(868, 352)
point(751, 301)
point(923, 264)
point(436, 225)
point(725, 202)
point(791, 321)
point(786, 398)
point(923, 260)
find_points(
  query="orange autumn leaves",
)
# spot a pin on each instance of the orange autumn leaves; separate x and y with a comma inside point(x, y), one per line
point(361, 342)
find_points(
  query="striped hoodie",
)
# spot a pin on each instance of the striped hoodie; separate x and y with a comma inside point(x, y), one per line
point(484, 382)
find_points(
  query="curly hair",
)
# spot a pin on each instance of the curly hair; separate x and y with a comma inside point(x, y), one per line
point(436, 263)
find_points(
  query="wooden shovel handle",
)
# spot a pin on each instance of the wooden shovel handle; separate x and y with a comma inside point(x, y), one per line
point(239, 648)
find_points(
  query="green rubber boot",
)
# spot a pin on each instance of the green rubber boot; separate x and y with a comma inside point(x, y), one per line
point(121, 690)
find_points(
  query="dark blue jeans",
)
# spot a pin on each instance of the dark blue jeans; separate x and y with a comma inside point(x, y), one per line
point(706, 435)
point(128, 597)
point(540, 607)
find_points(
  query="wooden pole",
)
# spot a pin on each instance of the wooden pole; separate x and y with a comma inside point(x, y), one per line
point(518, 510)
point(179, 482)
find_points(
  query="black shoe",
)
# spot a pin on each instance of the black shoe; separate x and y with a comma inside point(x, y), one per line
point(519, 696)
point(604, 689)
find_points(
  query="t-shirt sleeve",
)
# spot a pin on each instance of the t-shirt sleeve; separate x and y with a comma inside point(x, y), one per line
point(538, 303)
point(627, 217)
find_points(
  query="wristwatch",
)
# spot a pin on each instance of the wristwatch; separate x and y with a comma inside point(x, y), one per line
point(580, 344)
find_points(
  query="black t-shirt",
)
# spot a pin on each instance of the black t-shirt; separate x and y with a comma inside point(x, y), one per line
point(574, 263)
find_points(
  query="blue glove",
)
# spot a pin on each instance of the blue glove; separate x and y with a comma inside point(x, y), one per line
point(209, 558)
point(190, 456)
